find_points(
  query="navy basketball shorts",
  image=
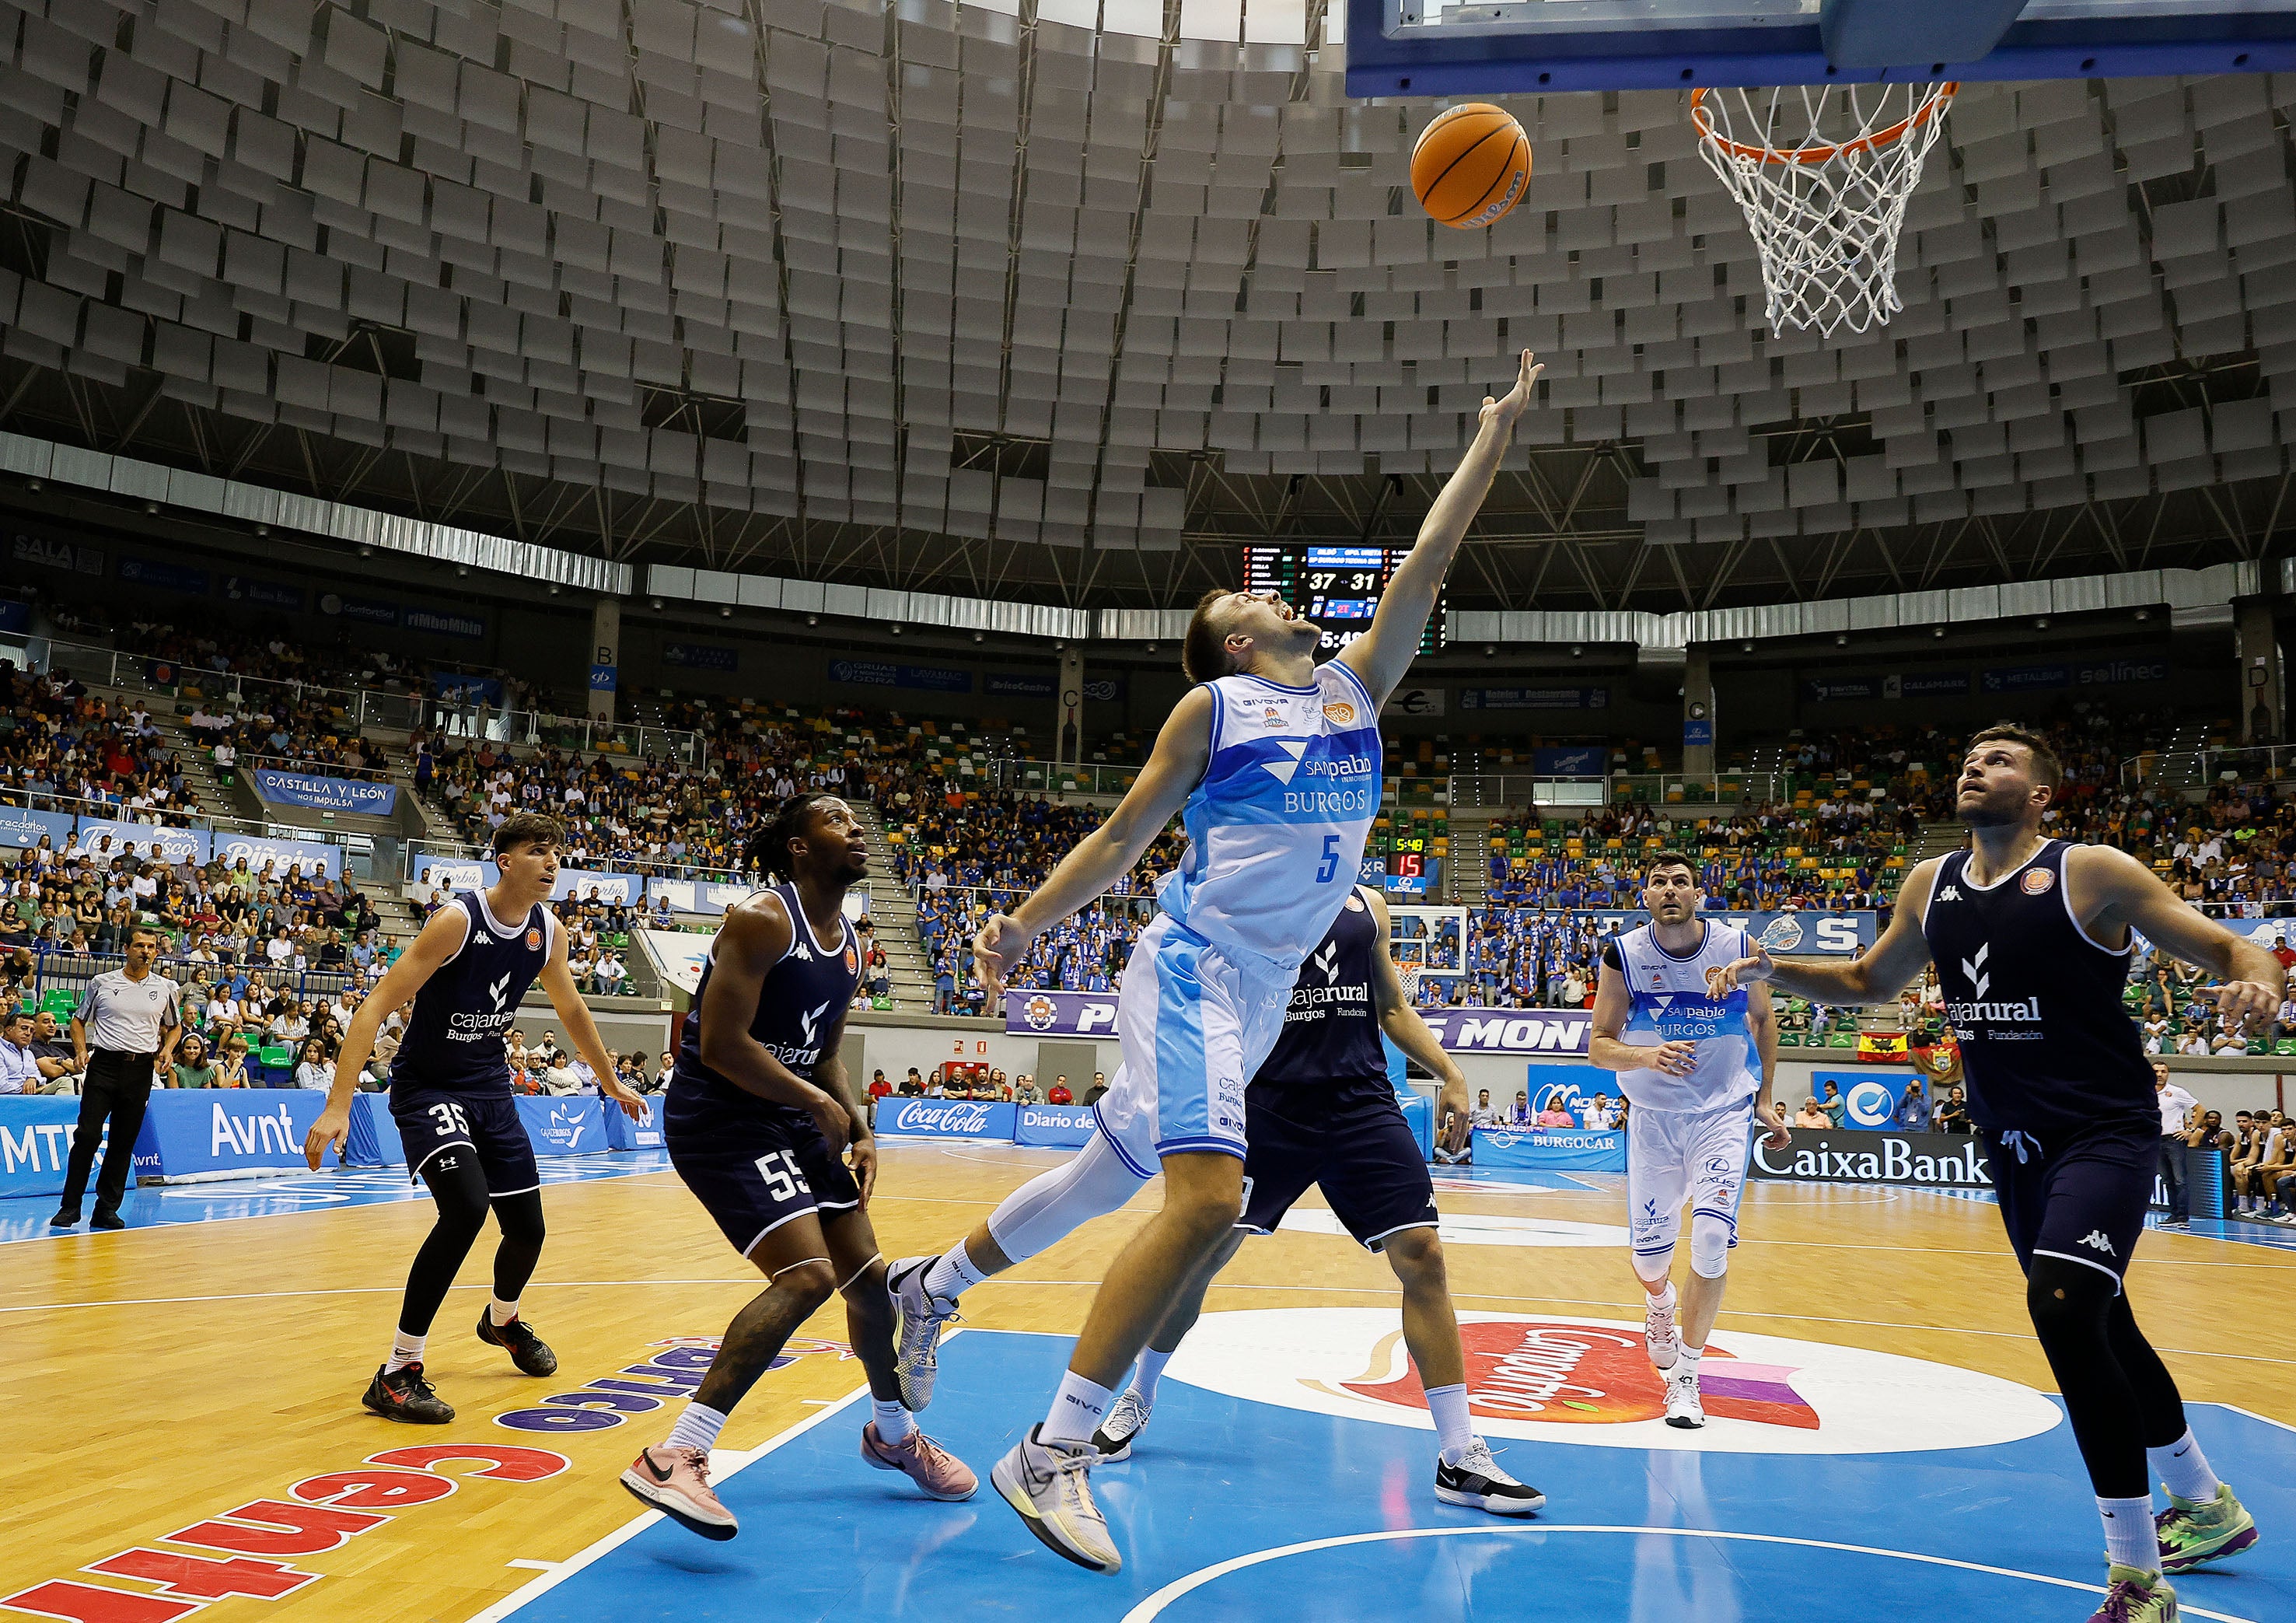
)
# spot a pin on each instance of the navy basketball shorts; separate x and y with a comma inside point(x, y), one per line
point(1362, 1153)
point(754, 1168)
point(428, 1121)
point(2083, 1199)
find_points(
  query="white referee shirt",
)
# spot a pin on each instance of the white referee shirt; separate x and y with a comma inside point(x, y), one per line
point(124, 1016)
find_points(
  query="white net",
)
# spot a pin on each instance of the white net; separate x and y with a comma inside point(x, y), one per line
point(1823, 173)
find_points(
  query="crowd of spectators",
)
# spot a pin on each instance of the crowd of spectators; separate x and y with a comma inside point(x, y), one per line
point(64, 748)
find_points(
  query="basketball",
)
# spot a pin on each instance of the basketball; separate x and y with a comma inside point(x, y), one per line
point(1470, 165)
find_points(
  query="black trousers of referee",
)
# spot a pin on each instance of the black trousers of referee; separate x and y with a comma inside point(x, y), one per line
point(118, 1085)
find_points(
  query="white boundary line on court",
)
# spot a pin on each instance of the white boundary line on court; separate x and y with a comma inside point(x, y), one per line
point(1154, 1605)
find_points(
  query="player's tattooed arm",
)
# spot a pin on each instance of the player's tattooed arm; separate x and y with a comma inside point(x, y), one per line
point(2108, 888)
point(1874, 976)
point(755, 935)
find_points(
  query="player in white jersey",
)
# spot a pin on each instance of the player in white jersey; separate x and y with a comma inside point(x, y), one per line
point(1697, 1070)
point(1274, 763)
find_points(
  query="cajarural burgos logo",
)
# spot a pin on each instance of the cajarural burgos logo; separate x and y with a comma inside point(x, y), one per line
point(1552, 1378)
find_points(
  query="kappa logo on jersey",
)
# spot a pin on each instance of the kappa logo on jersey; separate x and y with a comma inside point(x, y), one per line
point(2036, 881)
point(2095, 1241)
point(798, 951)
point(1971, 966)
point(1586, 1374)
point(1328, 961)
point(1949, 893)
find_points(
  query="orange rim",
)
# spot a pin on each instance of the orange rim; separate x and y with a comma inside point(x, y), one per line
point(1819, 154)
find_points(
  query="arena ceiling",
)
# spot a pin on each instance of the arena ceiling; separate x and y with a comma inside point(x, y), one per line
point(1062, 304)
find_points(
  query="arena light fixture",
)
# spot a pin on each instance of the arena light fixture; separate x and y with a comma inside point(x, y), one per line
point(1937, 630)
point(1841, 639)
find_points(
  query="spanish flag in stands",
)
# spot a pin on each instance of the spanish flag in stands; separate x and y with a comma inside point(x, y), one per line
point(1884, 1046)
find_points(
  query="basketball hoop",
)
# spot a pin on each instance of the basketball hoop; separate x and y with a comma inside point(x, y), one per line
point(1822, 173)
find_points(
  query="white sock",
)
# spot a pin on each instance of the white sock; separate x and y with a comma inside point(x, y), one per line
point(1454, 1431)
point(405, 1350)
point(2183, 1470)
point(952, 1274)
point(1078, 1410)
point(697, 1428)
point(2128, 1537)
point(1691, 1354)
point(1665, 1298)
point(500, 1311)
point(1146, 1374)
point(894, 1422)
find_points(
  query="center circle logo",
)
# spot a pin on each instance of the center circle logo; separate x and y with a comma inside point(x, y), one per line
point(1589, 1381)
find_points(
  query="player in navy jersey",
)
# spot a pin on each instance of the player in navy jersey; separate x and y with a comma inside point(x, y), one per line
point(451, 1099)
point(1322, 1112)
point(2031, 937)
point(760, 1119)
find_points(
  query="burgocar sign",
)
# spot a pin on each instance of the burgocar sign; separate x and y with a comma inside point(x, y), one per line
point(1929, 1160)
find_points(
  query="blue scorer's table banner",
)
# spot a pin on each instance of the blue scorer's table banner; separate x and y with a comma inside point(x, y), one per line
point(623, 1134)
point(206, 1132)
point(1064, 1127)
point(372, 1140)
point(567, 1126)
point(35, 1142)
point(1556, 1150)
point(947, 1118)
point(325, 793)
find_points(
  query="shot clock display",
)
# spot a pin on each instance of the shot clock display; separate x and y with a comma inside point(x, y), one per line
point(1339, 587)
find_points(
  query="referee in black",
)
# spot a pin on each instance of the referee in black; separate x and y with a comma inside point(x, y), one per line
point(123, 1033)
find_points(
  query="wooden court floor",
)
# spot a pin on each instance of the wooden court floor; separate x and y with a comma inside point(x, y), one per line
point(161, 1377)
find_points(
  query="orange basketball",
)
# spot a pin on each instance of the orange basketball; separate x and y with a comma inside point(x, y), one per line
point(1470, 165)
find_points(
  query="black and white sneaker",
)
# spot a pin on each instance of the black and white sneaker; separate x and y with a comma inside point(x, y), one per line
point(1477, 1481)
point(1127, 1418)
point(525, 1347)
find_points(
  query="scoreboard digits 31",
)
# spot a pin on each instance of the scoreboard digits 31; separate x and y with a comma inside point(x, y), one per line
point(1339, 587)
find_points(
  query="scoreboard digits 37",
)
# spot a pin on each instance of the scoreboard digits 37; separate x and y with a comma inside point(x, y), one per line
point(1339, 587)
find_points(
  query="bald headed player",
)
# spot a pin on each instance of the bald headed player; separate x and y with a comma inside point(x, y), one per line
point(2031, 937)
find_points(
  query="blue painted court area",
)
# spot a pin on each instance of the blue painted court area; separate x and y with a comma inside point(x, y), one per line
point(1233, 1509)
point(167, 1205)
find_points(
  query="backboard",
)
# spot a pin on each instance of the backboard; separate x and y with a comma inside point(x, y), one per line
point(1422, 49)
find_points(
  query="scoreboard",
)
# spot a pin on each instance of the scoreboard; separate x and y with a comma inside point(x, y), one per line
point(1338, 587)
